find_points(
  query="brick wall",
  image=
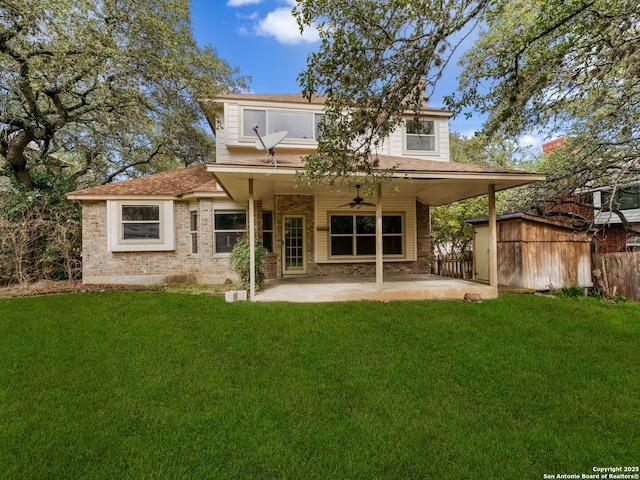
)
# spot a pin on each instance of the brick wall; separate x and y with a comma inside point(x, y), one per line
point(611, 239)
point(180, 266)
point(146, 268)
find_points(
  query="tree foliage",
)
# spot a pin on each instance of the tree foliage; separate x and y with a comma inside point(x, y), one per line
point(451, 234)
point(109, 86)
point(372, 64)
point(570, 67)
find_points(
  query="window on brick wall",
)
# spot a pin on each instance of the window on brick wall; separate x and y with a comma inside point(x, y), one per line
point(229, 226)
point(193, 230)
point(267, 230)
point(354, 235)
point(144, 225)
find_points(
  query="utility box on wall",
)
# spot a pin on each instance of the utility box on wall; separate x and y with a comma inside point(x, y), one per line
point(533, 252)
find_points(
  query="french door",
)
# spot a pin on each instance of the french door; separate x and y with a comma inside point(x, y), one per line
point(293, 255)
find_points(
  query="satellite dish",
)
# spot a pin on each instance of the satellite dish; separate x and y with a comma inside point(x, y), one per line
point(268, 142)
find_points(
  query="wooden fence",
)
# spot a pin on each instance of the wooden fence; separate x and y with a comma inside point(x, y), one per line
point(453, 267)
point(618, 274)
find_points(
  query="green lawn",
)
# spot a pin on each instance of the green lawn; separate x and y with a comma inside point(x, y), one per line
point(165, 385)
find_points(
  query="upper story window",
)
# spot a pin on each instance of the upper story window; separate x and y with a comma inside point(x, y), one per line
point(624, 199)
point(421, 135)
point(298, 124)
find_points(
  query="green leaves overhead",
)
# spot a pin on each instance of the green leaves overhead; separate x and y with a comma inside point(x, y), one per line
point(373, 64)
point(111, 86)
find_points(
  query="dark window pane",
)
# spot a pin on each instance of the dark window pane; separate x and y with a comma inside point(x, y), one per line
point(392, 245)
point(225, 241)
point(341, 246)
point(366, 245)
point(391, 224)
point(366, 224)
point(194, 243)
point(341, 224)
point(230, 220)
point(137, 231)
point(267, 220)
point(420, 127)
point(193, 221)
point(140, 213)
point(267, 240)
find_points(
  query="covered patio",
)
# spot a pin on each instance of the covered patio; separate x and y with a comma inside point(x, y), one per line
point(431, 183)
point(395, 287)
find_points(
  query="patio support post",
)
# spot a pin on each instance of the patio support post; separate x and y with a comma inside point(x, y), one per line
point(493, 239)
point(252, 242)
point(379, 256)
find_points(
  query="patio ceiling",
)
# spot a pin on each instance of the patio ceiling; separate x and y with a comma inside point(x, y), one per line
point(433, 183)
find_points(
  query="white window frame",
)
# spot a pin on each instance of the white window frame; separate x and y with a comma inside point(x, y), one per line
point(115, 234)
point(354, 236)
point(406, 135)
point(193, 232)
point(216, 230)
point(247, 132)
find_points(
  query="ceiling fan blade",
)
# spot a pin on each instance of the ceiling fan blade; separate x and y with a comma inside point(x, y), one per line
point(350, 204)
point(368, 204)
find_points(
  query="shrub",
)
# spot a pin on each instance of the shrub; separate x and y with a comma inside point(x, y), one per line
point(239, 260)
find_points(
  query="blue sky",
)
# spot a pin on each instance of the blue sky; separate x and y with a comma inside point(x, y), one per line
point(262, 39)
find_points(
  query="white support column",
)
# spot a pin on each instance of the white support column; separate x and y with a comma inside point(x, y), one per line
point(252, 242)
point(493, 239)
point(379, 246)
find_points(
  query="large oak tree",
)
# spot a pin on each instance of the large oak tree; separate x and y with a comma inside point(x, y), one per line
point(103, 87)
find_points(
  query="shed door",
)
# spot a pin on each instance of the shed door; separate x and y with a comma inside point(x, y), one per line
point(481, 252)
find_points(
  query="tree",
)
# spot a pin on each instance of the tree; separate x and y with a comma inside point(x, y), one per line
point(374, 59)
point(569, 67)
point(451, 234)
point(103, 87)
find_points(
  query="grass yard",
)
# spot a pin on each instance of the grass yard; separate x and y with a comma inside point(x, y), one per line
point(163, 385)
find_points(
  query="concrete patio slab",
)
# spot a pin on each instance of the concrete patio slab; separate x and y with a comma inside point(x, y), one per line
point(338, 289)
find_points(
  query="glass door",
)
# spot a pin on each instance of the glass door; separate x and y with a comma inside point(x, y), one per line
point(293, 256)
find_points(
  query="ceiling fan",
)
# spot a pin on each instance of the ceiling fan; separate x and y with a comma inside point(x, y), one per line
point(358, 201)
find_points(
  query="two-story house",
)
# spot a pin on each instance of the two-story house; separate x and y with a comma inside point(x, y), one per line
point(180, 226)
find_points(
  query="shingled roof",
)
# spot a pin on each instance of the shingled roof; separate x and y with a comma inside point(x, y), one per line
point(176, 183)
point(387, 162)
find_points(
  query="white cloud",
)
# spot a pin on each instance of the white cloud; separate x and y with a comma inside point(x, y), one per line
point(242, 3)
point(531, 141)
point(281, 25)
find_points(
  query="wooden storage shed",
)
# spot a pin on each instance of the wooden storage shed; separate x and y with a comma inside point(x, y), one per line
point(533, 252)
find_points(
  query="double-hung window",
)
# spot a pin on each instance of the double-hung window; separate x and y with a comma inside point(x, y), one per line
point(267, 230)
point(230, 226)
point(420, 135)
point(354, 235)
point(140, 225)
point(193, 230)
point(140, 222)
